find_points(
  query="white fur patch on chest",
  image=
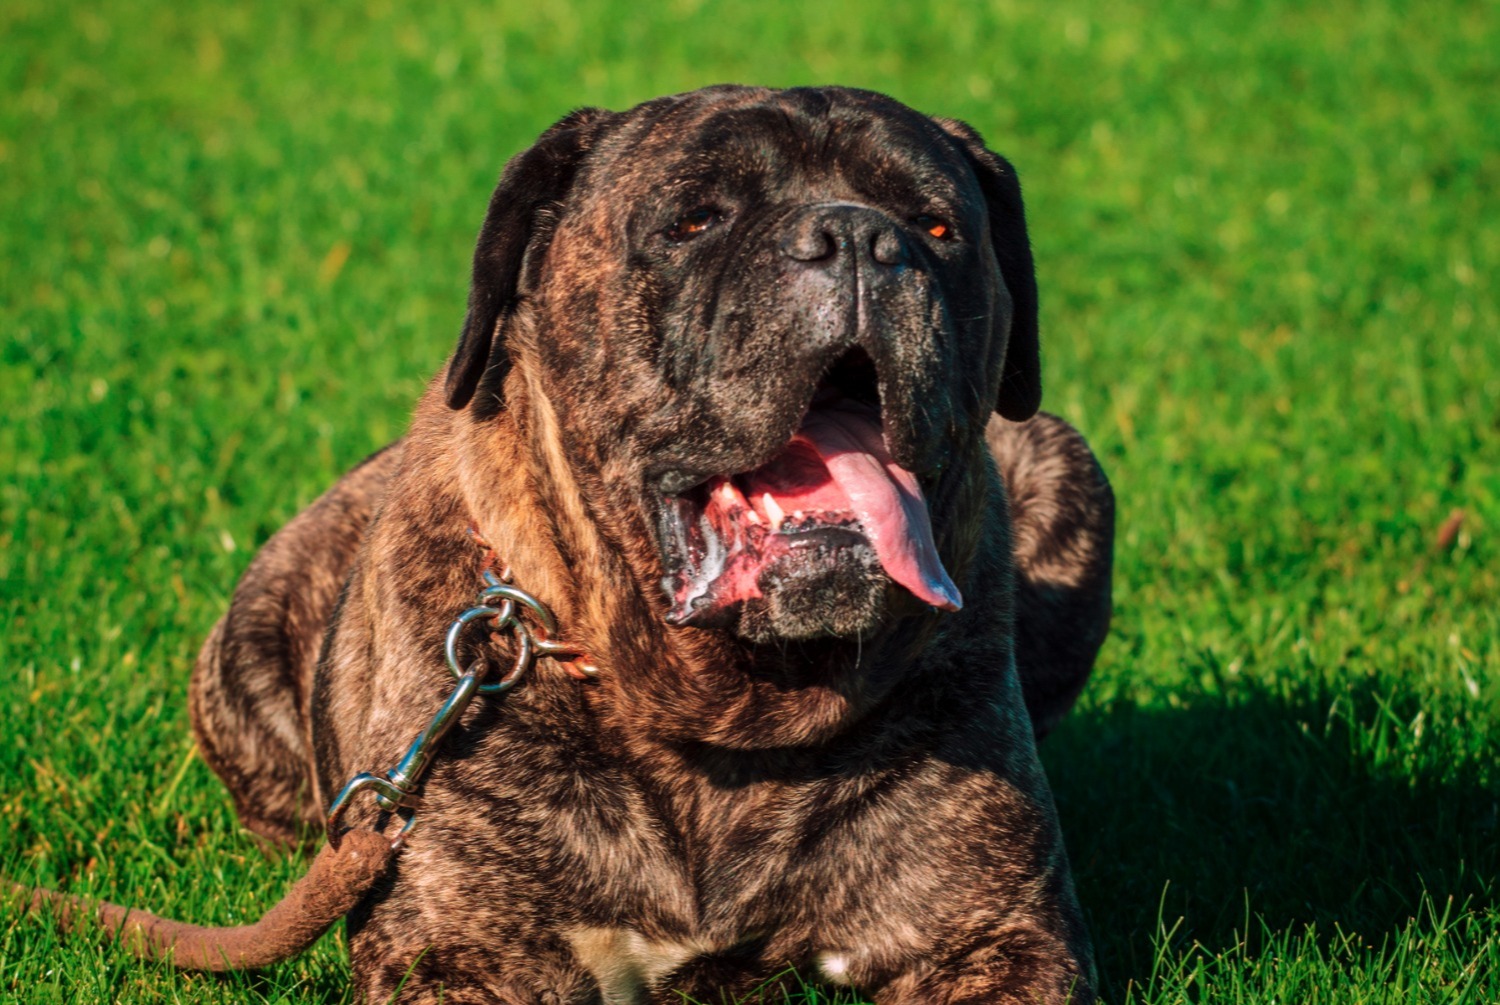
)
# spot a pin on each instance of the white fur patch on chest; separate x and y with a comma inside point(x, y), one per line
point(625, 962)
point(834, 968)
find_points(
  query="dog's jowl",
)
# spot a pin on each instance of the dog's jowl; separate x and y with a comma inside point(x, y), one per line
point(747, 395)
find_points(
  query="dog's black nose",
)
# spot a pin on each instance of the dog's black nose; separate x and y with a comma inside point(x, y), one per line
point(844, 234)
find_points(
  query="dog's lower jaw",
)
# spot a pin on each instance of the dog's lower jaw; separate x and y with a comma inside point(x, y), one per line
point(841, 595)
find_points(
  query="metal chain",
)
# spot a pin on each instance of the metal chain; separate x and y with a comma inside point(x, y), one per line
point(396, 791)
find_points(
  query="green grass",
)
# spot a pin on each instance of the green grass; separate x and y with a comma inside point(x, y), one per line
point(233, 247)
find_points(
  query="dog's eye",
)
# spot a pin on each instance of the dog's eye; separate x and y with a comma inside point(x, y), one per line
point(692, 224)
point(935, 226)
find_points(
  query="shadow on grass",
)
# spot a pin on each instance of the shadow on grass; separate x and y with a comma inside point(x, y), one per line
point(1260, 812)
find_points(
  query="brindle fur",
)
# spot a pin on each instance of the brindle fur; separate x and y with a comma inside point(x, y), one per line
point(870, 811)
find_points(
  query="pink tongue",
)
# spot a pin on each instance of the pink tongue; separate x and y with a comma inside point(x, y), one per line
point(883, 495)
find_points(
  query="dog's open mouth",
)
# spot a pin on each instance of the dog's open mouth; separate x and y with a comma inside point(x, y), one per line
point(833, 489)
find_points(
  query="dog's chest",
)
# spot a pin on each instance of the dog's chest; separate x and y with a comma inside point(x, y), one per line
point(640, 879)
point(763, 889)
point(627, 965)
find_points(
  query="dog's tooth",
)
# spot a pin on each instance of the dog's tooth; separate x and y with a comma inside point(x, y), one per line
point(752, 517)
point(773, 510)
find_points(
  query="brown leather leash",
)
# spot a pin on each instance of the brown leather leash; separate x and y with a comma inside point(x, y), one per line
point(338, 878)
point(352, 861)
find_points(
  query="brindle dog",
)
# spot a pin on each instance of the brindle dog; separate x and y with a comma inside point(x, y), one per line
point(724, 400)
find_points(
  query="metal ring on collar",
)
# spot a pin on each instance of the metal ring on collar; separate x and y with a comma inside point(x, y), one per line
point(503, 617)
point(525, 656)
point(517, 595)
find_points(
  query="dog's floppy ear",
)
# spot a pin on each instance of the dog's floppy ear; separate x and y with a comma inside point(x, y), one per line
point(1021, 379)
point(534, 182)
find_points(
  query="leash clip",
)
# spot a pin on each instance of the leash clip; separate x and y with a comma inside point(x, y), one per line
point(396, 791)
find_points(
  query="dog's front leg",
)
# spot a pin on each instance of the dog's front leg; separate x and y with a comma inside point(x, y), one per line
point(459, 989)
point(492, 974)
point(1020, 966)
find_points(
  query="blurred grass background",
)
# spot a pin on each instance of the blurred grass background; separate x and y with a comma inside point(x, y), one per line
point(234, 242)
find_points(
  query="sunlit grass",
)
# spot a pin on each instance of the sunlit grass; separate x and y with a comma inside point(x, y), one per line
point(234, 245)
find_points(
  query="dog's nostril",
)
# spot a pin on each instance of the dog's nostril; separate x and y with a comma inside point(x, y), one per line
point(846, 236)
point(887, 247)
point(810, 244)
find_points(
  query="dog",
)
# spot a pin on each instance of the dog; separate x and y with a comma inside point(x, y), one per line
point(747, 393)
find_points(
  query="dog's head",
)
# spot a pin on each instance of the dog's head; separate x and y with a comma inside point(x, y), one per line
point(772, 326)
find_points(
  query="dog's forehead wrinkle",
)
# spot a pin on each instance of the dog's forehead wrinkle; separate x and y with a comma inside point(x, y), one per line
point(766, 136)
